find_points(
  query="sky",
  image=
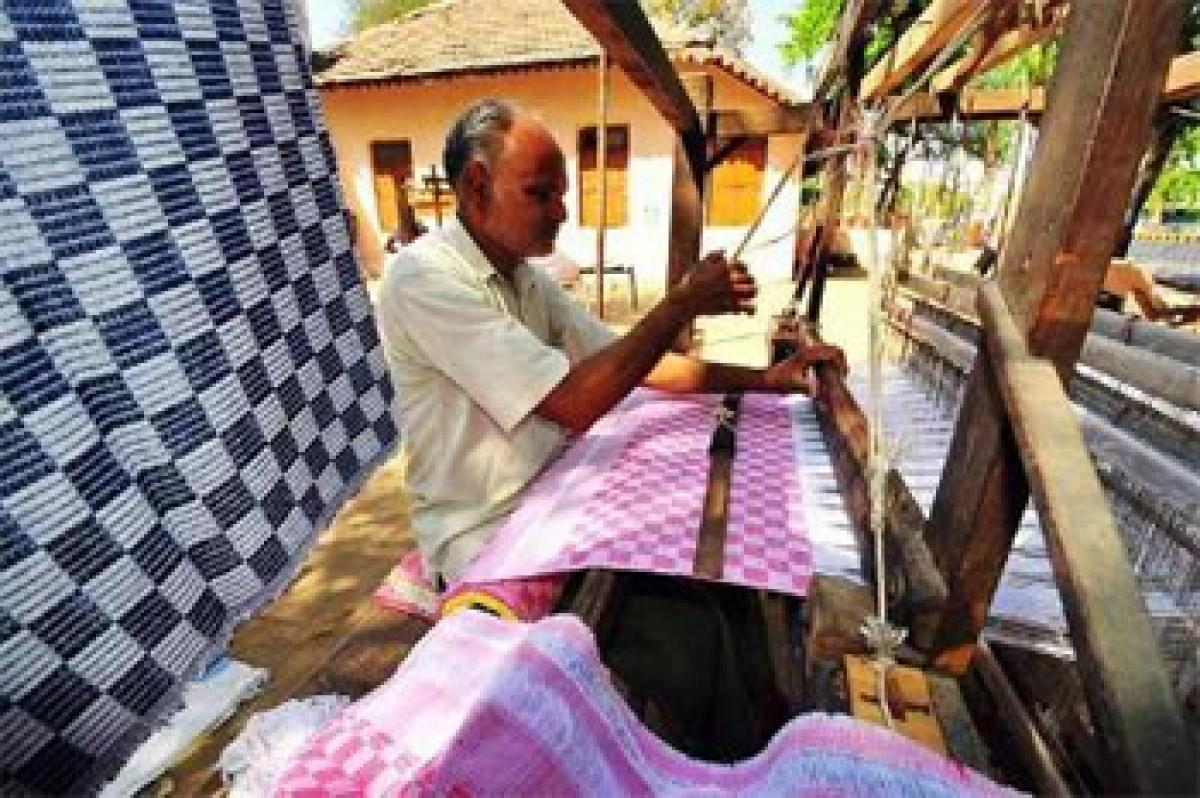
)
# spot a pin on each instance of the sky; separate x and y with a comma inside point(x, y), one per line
point(328, 20)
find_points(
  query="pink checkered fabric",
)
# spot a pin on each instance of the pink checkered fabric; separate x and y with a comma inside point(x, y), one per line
point(644, 511)
point(629, 495)
point(481, 707)
point(766, 541)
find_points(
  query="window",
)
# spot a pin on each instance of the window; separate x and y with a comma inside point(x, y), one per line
point(735, 185)
point(616, 169)
point(391, 163)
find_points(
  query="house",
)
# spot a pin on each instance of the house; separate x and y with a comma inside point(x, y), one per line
point(394, 90)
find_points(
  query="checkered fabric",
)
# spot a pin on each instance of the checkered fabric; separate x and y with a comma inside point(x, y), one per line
point(629, 495)
point(766, 539)
point(191, 379)
point(643, 512)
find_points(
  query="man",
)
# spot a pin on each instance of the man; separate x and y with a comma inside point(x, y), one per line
point(495, 365)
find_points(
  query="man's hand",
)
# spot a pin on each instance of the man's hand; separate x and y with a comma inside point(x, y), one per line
point(793, 374)
point(717, 286)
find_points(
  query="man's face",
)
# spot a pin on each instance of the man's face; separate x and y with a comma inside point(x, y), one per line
point(523, 209)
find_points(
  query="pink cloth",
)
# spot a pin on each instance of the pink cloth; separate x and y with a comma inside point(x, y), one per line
point(484, 707)
point(407, 589)
point(528, 599)
point(629, 495)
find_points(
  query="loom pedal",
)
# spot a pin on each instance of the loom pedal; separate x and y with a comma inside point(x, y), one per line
point(908, 698)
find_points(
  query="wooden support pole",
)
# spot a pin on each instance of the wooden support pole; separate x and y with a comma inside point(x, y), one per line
point(623, 31)
point(687, 197)
point(1132, 705)
point(602, 175)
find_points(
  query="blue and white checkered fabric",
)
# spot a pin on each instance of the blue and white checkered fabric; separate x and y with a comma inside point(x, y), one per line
point(190, 378)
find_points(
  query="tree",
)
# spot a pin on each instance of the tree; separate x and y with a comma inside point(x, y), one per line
point(810, 28)
point(369, 13)
point(726, 22)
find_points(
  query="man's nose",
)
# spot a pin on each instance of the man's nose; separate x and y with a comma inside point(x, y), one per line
point(559, 210)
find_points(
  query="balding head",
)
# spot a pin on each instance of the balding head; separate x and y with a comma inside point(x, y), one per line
point(510, 177)
point(478, 133)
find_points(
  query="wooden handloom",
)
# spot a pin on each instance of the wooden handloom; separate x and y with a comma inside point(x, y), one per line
point(1016, 435)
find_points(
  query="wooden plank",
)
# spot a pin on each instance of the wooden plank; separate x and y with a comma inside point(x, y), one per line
point(907, 696)
point(1183, 78)
point(1069, 217)
point(1129, 695)
point(710, 541)
point(934, 29)
point(1000, 49)
point(771, 121)
point(1035, 754)
point(623, 31)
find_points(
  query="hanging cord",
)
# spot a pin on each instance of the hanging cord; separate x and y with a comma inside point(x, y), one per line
point(881, 636)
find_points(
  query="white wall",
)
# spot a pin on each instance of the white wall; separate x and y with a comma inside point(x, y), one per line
point(565, 99)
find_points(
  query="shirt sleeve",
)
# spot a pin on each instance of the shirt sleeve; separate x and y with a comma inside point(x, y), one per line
point(581, 333)
point(495, 359)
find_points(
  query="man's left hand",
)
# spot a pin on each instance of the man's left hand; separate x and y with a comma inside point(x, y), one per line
point(792, 374)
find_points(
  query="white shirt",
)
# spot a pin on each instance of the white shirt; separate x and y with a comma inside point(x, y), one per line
point(470, 358)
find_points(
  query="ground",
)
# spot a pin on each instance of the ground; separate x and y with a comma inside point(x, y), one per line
point(325, 635)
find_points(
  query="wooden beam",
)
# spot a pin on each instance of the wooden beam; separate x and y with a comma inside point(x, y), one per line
point(623, 31)
point(976, 104)
point(934, 29)
point(1003, 48)
point(775, 120)
point(1182, 83)
point(1130, 697)
point(1031, 747)
point(1183, 78)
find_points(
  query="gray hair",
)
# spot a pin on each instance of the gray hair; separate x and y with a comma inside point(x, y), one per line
point(478, 133)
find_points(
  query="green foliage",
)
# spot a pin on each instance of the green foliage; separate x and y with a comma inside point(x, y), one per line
point(1033, 67)
point(1178, 184)
point(810, 27)
point(369, 13)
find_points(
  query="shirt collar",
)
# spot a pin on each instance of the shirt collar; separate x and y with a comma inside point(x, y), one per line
point(465, 244)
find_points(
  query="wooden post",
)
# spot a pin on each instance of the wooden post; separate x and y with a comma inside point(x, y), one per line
point(832, 194)
point(1130, 698)
point(687, 197)
point(602, 174)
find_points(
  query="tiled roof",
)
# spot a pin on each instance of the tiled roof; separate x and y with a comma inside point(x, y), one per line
point(457, 36)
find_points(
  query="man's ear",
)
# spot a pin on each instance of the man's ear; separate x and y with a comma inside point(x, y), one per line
point(476, 184)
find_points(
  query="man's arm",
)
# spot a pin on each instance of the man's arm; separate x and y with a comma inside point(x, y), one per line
point(594, 385)
point(682, 374)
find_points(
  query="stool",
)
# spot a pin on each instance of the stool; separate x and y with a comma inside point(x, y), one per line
point(618, 270)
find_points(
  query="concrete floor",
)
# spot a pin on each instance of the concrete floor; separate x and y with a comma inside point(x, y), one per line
point(325, 635)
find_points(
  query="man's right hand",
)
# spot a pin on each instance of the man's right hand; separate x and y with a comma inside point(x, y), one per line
point(717, 286)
